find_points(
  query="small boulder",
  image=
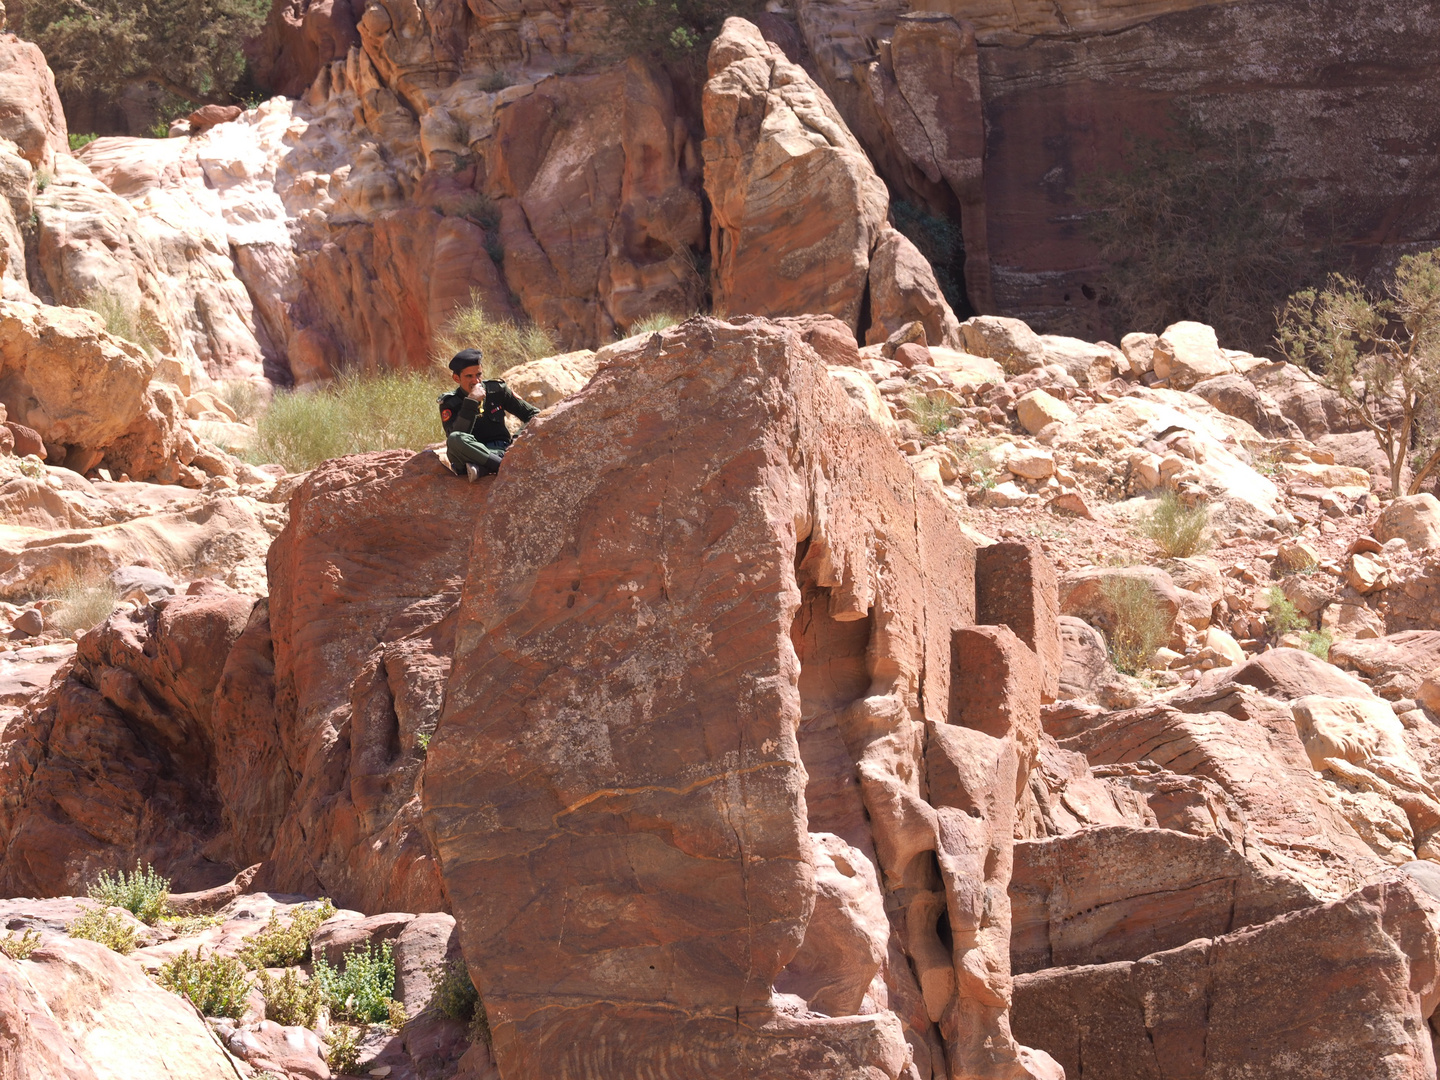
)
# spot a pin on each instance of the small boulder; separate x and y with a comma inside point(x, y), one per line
point(1031, 464)
point(1188, 352)
point(337, 936)
point(1038, 410)
point(1366, 573)
point(1412, 518)
point(1224, 646)
point(207, 116)
point(912, 355)
point(1139, 350)
point(1009, 341)
point(1297, 555)
point(27, 440)
point(29, 622)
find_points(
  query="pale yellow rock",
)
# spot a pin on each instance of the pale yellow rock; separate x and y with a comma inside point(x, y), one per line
point(1331, 476)
point(544, 382)
point(1145, 470)
point(1297, 555)
point(860, 388)
point(1031, 464)
point(1011, 342)
point(1006, 495)
point(1366, 573)
point(1091, 364)
point(1225, 647)
point(1139, 350)
point(968, 371)
point(1038, 410)
point(1188, 352)
point(1412, 518)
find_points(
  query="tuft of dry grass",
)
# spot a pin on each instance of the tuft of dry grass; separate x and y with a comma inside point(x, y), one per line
point(504, 342)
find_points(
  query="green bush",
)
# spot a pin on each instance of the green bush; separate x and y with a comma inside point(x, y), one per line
point(20, 948)
point(933, 415)
point(344, 1053)
point(291, 1000)
point(352, 415)
point(285, 941)
point(124, 320)
point(185, 925)
point(1179, 530)
point(1318, 642)
point(217, 986)
point(454, 994)
point(1139, 625)
point(361, 990)
point(79, 142)
point(143, 893)
point(107, 928)
point(505, 343)
point(672, 29)
point(42, 181)
point(1282, 617)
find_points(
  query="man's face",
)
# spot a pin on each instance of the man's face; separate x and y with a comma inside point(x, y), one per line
point(468, 378)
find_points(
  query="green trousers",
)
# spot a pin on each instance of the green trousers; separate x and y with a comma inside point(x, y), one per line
point(464, 449)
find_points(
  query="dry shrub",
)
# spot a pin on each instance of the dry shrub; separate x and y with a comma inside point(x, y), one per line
point(504, 342)
point(81, 601)
point(124, 320)
point(1179, 530)
point(1140, 624)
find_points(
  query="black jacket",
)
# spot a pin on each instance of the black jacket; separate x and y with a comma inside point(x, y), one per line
point(460, 412)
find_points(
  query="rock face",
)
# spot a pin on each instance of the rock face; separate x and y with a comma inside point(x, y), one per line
point(1344, 990)
point(746, 730)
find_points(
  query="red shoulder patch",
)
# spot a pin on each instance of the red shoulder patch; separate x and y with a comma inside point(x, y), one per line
point(445, 414)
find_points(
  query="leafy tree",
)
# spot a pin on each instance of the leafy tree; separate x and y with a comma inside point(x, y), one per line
point(676, 30)
point(1380, 353)
point(1197, 226)
point(192, 48)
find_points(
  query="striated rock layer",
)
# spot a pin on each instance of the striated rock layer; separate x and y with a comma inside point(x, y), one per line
point(717, 707)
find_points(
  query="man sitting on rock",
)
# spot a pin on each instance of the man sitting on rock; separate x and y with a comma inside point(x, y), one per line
point(473, 415)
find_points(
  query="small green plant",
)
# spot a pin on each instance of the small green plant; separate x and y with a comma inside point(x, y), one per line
point(124, 320)
point(20, 948)
point(1179, 530)
point(1282, 617)
point(106, 927)
point(344, 1054)
point(243, 397)
point(282, 942)
point(932, 414)
point(1318, 642)
point(422, 740)
point(32, 469)
point(361, 990)
point(82, 602)
point(79, 141)
point(143, 893)
point(1139, 624)
point(480, 1026)
point(291, 1000)
point(352, 415)
point(654, 323)
point(216, 986)
point(675, 30)
point(185, 925)
point(42, 180)
point(504, 342)
point(454, 994)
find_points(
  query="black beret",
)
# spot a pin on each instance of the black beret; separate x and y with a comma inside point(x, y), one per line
point(465, 358)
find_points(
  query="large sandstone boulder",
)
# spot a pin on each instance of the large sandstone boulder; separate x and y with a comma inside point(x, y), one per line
point(796, 207)
point(1412, 518)
point(600, 715)
point(117, 762)
point(1118, 893)
point(1010, 342)
point(1342, 991)
point(903, 289)
point(1188, 353)
point(31, 115)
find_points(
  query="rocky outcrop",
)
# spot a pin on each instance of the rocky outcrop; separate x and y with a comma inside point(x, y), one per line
point(776, 149)
point(1346, 989)
point(679, 750)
